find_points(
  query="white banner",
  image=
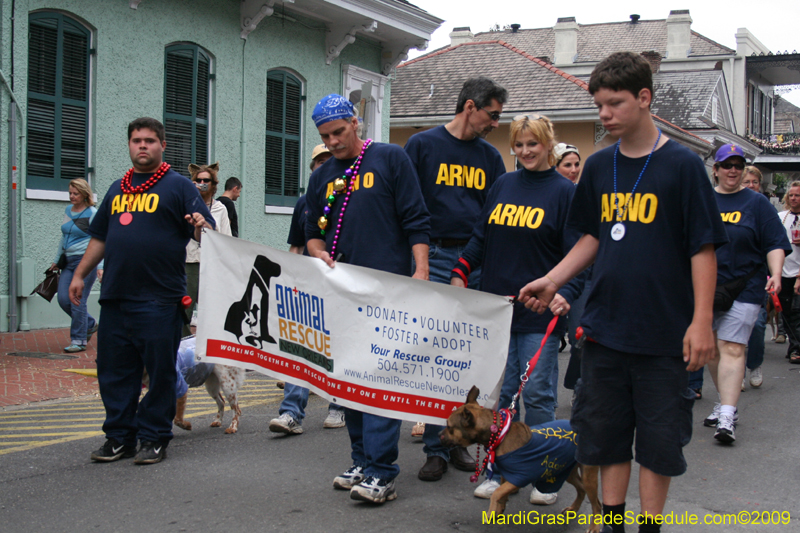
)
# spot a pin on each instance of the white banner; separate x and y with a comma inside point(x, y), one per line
point(365, 339)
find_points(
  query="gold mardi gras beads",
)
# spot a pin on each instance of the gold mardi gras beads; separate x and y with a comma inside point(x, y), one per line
point(339, 184)
point(322, 222)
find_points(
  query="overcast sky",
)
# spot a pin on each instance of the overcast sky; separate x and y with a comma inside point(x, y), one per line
point(774, 23)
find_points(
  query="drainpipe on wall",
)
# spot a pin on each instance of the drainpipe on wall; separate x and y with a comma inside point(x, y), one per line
point(12, 207)
point(242, 151)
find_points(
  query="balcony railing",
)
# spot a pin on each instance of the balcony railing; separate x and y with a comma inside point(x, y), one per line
point(779, 144)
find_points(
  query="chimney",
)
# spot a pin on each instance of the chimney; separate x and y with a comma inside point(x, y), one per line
point(566, 30)
point(679, 32)
point(461, 36)
point(654, 58)
point(515, 28)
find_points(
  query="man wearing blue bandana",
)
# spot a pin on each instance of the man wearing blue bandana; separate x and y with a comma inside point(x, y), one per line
point(365, 208)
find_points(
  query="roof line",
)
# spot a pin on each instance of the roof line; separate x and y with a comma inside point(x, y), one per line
point(577, 81)
point(712, 41)
point(678, 128)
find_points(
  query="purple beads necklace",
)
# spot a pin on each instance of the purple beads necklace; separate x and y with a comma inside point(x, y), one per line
point(346, 182)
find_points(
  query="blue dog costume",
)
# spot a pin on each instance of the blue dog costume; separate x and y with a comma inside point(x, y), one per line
point(545, 461)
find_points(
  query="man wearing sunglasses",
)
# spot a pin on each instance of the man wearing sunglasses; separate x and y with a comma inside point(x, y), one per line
point(456, 169)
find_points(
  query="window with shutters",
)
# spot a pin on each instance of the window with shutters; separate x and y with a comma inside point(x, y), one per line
point(58, 101)
point(187, 84)
point(284, 110)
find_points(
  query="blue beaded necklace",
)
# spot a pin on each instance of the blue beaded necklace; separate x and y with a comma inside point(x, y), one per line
point(618, 229)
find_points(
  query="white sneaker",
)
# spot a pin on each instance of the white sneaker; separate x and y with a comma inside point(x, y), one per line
point(335, 419)
point(725, 429)
point(539, 498)
point(485, 489)
point(756, 379)
point(375, 490)
point(349, 479)
point(285, 424)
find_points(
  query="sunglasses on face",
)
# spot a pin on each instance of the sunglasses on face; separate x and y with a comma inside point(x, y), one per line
point(727, 165)
point(495, 116)
point(204, 180)
point(532, 118)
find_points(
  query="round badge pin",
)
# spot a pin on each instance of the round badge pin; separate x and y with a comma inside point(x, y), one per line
point(618, 231)
point(125, 218)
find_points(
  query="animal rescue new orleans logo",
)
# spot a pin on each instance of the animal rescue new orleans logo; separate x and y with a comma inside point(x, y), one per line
point(301, 326)
point(247, 318)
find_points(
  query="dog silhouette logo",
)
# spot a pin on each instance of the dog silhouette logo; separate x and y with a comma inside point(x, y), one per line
point(247, 318)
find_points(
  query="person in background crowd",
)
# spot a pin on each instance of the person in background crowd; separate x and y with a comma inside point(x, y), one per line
point(295, 398)
point(74, 241)
point(520, 236)
point(456, 169)
point(233, 189)
point(755, 238)
point(206, 181)
point(790, 217)
point(383, 221)
point(568, 161)
point(568, 164)
point(755, 346)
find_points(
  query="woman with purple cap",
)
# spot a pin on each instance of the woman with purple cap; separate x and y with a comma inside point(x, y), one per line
point(755, 234)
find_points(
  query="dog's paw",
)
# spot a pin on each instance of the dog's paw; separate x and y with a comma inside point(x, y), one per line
point(183, 424)
point(230, 431)
point(216, 424)
point(568, 509)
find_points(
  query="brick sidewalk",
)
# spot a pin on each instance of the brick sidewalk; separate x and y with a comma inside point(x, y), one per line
point(27, 379)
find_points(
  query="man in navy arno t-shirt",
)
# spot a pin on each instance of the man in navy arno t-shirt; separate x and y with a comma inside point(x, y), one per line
point(141, 228)
point(456, 169)
point(650, 225)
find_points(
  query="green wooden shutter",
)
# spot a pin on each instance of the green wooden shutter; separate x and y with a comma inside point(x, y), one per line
point(282, 143)
point(187, 71)
point(58, 101)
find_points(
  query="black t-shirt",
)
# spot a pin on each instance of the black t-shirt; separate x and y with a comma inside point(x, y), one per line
point(386, 214)
point(641, 300)
point(232, 216)
point(754, 229)
point(144, 259)
point(455, 177)
point(521, 236)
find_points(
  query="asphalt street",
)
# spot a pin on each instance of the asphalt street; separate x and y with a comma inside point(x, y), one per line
point(255, 481)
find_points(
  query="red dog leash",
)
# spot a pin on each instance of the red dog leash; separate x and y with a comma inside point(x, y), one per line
point(532, 364)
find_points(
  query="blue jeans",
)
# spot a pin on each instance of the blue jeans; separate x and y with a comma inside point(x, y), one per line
point(538, 395)
point(755, 348)
point(441, 261)
point(82, 321)
point(295, 400)
point(136, 336)
point(373, 443)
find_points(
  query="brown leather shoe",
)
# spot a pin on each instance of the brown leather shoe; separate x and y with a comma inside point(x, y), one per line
point(433, 469)
point(461, 459)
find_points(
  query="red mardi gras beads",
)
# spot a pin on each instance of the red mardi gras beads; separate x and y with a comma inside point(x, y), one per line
point(126, 184)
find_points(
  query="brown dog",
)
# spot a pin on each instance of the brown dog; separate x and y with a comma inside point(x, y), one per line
point(471, 424)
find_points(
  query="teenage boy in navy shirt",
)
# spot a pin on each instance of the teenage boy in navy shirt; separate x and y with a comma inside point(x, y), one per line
point(456, 169)
point(650, 225)
point(383, 222)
